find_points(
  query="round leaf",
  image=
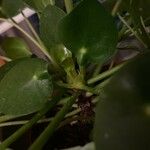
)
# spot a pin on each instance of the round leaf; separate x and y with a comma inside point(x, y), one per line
point(123, 112)
point(25, 88)
point(89, 32)
point(15, 48)
point(48, 30)
point(48, 25)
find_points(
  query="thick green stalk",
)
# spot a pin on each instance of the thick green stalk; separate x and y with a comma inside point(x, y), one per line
point(22, 122)
point(6, 143)
point(47, 133)
point(68, 5)
point(105, 74)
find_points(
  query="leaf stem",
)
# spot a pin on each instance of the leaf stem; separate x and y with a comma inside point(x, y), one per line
point(5, 58)
point(27, 126)
point(142, 33)
point(78, 87)
point(52, 2)
point(42, 139)
point(22, 122)
point(105, 74)
point(132, 31)
point(6, 118)
point(97, 70)
point(42, 48)
point(68, 5)
point(31, 28)
point(116, 7)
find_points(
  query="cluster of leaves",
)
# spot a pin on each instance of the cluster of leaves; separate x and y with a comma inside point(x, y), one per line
point(88, 35)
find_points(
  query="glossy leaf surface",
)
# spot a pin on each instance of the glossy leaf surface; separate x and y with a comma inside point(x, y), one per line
point(48, 25)
point(15, 48)
point(48, 31)
point(25, 88)
point(89, 32)
point(123, 112)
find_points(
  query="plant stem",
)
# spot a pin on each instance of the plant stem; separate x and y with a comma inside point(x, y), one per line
point(133, 32)
point(42, 139)
point(42, 48)
point(136, 18)
point(22, 122)
point(111, 64)
point(74, 112)
point(145, 31)
point(89, 89)
point(29, 36)
point(105, 74)
point(6, 118)
point(116, 7)
point(27, 126)
point(5, 58)
point(97, 70)
point(99, 87)
point(52, 2)
point(81, 87)
point(68, 5)
point(31, 28)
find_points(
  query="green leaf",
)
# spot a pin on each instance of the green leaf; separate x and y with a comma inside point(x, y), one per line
point(25, 88)
point(10, 8)
point(5, 68)
point(49, 20)
point(15, 48)
point(38, 5)
point(89, 32)
point(61, 53)
point(48, 25)
point(123, 112)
